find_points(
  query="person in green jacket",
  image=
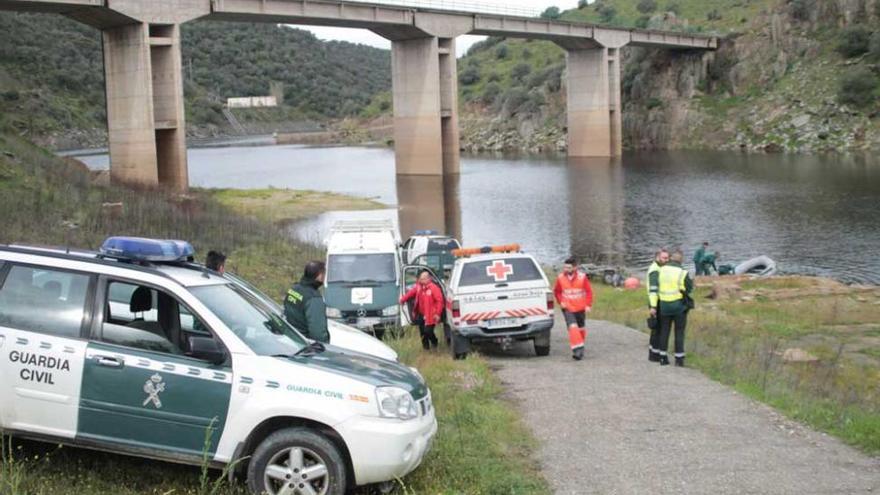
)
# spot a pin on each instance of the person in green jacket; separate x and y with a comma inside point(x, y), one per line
point(698, 258)
point(304, 306)
point(675, 288)
point(653, 285)
point(708, 263)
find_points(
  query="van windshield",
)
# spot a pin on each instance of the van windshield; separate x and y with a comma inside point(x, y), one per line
point(361, 268)
point(504, 270)
point(266, 333)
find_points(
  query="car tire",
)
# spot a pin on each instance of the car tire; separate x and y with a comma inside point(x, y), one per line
point(542, 350)
point(298, 455)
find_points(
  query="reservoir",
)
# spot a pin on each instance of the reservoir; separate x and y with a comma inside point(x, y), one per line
point(813, 214)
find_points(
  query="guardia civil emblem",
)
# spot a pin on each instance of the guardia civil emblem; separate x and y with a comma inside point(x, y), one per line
point(153, 387)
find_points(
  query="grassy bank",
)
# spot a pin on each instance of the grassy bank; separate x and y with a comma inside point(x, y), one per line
point(806, 346)
point(481, 447)
point(286, 205)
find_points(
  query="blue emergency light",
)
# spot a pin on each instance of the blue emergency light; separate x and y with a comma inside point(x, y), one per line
point(142, 249)
point(426, 232)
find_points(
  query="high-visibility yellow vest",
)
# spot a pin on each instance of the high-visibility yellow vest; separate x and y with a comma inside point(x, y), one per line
point(652, 290)
point(672, 283)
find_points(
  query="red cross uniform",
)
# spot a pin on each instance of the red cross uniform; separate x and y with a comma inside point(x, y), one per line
point(575, 296)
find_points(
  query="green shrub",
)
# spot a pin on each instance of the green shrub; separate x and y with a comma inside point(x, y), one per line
point(469, 76)
point(874, 45)
point(673, 7)
point(607, 13)
point(494, 77)
point(800, 9)
point(582, 4)
point(854, 41)
point(713, 15)
point(520, 71)
point(858, 87)
point(646, 6)
point(501, 52)
point(551, 13)
point(643, 21)
point(513, 99)
point(653, 103)
point(490, 93)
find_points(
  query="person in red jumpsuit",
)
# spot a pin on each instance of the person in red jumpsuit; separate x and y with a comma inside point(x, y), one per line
point(575, 297)
point(427, 308)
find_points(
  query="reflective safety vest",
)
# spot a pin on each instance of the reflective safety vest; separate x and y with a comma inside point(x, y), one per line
point(672, 284)
point(574, 294)
point(651, 284)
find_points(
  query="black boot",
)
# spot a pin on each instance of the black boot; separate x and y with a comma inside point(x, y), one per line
point(664, 361)
point(577, 354)
point(679, 361)
point(653, 356)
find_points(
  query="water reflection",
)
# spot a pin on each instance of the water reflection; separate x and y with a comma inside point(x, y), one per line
point(813, 214)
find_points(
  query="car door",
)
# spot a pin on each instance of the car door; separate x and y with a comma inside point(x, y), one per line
point(140, 388)
point(44, 313)
point(409, 276)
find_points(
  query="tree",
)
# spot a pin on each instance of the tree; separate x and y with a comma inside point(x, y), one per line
point(673, 7)
point(501, 52)
point(582, 4)
point(854, 41)
point(643, 21)
point(858, 87)
point(551, 13)
point(520, 71)
point(607, 13)
point(646, 6)
point(469, 76)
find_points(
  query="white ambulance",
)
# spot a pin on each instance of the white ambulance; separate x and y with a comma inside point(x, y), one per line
point(500, 297)
point(193, 353)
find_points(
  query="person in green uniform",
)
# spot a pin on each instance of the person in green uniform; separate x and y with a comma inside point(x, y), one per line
point(708, 263)
point(304, 306)
point(674, 292)
point(698, 258)
point(653, 285)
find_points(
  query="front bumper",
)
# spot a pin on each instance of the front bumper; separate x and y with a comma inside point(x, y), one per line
point(523, 332)
point(386, 449)
point(369, 323)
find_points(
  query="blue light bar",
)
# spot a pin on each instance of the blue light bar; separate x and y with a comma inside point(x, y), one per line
point(426, 232)
point(141, 249)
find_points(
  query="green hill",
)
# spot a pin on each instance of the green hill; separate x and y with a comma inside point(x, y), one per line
point(791, 75)
point(51, 73)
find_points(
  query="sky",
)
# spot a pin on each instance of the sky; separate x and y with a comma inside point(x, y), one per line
point(462, 43)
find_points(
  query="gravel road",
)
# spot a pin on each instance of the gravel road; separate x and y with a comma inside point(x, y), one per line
point(615, 423)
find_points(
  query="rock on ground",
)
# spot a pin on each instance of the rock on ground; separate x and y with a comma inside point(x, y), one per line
point(615, 423)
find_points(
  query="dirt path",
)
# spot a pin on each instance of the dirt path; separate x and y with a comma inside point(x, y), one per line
point(615, 423)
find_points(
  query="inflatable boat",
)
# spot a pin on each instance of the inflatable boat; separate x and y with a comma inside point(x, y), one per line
point(761, 266)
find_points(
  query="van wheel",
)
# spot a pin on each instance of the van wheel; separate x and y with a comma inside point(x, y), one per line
point(542, 350)
point(297, 461)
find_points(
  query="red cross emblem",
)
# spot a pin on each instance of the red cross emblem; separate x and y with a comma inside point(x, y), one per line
point(499, 270)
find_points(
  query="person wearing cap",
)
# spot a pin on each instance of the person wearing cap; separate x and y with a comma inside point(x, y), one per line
point(304, 306)
point(698, 258)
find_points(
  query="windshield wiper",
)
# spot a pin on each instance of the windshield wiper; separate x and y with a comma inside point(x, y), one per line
point(313, 348)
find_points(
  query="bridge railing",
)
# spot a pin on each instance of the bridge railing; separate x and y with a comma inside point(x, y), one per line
point(460, 6)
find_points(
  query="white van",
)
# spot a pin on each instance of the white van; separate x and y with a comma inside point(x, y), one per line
point(192, 354)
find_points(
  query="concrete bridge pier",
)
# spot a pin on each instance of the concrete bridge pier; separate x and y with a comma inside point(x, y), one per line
point(145, 109)
point(595, 126)
point(425, 100)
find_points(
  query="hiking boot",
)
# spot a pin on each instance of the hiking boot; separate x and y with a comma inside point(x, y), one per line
point(653, 356)
point(679, 361)
point(664, 361)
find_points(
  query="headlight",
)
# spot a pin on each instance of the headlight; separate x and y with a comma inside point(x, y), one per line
point(391, 310)
point(396, 403)
point(333, 313)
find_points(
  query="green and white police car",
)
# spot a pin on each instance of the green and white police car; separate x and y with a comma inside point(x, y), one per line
point(133, 353)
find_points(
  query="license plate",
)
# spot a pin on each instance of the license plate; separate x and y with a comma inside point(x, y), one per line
point(502, 322)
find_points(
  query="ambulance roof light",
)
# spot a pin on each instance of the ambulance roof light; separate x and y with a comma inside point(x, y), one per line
point(507, 248)
point(143, 249)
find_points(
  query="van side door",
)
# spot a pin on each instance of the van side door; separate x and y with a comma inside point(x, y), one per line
point(44, 313)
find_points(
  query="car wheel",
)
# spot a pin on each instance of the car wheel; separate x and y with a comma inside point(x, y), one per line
point(542, 350)
point(297, 461)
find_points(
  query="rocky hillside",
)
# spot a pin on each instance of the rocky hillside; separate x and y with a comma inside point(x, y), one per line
point(52, 84)
point(791, 75)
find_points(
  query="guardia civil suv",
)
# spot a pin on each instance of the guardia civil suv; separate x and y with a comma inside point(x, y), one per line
point(133, 351)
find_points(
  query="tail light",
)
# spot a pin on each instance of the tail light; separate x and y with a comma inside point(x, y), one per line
point(549, 302)
point(456, 309)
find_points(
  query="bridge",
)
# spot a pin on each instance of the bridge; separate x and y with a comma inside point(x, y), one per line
point(144, 81)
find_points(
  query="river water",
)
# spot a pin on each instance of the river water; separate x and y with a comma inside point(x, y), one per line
point(814, 214)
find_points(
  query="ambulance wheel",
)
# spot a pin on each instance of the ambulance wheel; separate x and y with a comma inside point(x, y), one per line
point(297, 461)
point(542, 350)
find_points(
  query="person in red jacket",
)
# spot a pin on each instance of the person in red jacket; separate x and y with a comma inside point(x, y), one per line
point(427, 307)
point(575, 296)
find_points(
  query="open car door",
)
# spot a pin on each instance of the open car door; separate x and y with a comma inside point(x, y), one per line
point(410, 275)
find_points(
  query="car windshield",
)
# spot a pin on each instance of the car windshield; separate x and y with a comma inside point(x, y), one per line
point(268, 301)
point(354, 268)
point(266, 333)
point(442, 245)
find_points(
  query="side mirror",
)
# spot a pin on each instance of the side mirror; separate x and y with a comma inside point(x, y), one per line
point(206, 349)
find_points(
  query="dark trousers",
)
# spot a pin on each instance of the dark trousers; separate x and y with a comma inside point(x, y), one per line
point(654, 342)
point(666, 323)
point(429, 339)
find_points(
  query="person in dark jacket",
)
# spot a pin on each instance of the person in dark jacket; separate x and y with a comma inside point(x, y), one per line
point(427, 308)
point(304, 306)
point(216, 261)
